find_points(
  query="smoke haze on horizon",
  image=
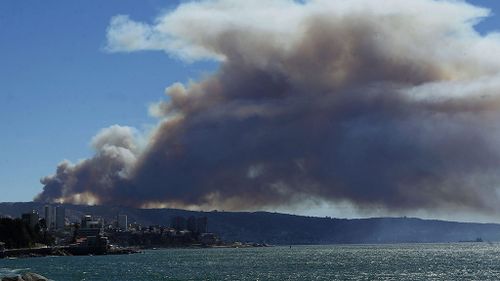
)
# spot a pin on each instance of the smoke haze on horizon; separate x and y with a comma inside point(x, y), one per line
point(382, 104)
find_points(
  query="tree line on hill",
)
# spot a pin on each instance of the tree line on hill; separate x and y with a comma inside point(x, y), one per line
point(17, 234)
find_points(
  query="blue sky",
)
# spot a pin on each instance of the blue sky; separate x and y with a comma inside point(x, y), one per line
point(58, 87)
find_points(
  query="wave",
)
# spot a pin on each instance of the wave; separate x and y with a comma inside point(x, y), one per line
point(8, 272)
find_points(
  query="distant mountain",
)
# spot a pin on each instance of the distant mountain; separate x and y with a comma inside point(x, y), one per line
point(275, 228)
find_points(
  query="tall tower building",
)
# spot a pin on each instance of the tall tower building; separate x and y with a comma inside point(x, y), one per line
point(60, 219)
point(30, 219)
point(202, 224)
point(123, 222)
point(191, 224)
point(179, 223)
point(50, 216)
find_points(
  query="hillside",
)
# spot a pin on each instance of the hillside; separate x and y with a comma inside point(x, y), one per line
point(275, 228)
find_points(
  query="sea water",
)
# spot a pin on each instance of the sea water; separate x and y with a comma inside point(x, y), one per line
point(462, 261)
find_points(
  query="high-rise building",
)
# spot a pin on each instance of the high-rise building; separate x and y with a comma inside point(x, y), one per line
point(50, 216)
point(179, 223)
point(123, 222)
point(60, 220)
point(191, 224)
point(31, 219)
point(202, 224)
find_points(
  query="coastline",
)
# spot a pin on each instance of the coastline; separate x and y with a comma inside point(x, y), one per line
point(73, 251)
point(63, 251)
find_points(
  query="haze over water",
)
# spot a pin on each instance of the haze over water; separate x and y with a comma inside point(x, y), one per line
point(465, 261)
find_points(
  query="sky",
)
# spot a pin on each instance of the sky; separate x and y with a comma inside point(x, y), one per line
point(55, 76)
point(59, 86)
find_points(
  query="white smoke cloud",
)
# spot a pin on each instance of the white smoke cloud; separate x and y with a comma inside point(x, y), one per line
point(116, 151)
point(426, 30)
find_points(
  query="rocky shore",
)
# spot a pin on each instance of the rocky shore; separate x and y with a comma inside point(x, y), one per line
point(29, 276)
point(63, 251)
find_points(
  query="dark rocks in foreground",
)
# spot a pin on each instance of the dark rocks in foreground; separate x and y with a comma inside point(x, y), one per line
point(25, 277)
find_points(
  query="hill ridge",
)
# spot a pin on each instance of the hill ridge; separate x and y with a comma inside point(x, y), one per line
point(282, 228)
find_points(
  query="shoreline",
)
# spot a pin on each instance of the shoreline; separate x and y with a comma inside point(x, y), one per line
point(62, 251)
point(73, 251)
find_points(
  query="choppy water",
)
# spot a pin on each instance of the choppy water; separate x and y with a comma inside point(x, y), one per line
point(479, 261)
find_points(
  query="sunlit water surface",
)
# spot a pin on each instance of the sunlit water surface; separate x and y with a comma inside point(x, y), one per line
point(466, 261)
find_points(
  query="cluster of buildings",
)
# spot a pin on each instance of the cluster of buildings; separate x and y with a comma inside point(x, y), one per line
point(196, 228)
point(192, 224)
point(83, 238)
point(54, 218)
point(90, 234)
point(94, 235)
point(181, 232)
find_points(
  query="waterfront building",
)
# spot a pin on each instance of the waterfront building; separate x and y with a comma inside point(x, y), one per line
point(123, 222)
point(90, 245)
point(208, 239)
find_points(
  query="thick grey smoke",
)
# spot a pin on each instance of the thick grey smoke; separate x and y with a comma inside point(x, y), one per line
point(388, 104)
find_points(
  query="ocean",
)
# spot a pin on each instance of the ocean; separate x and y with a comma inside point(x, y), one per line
point(461, 261)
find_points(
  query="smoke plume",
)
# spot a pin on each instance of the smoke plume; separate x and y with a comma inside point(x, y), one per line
point(385, 104)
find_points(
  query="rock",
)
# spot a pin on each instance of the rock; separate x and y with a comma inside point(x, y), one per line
point(25, 277)
point(12, 278)
point(33, 277)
